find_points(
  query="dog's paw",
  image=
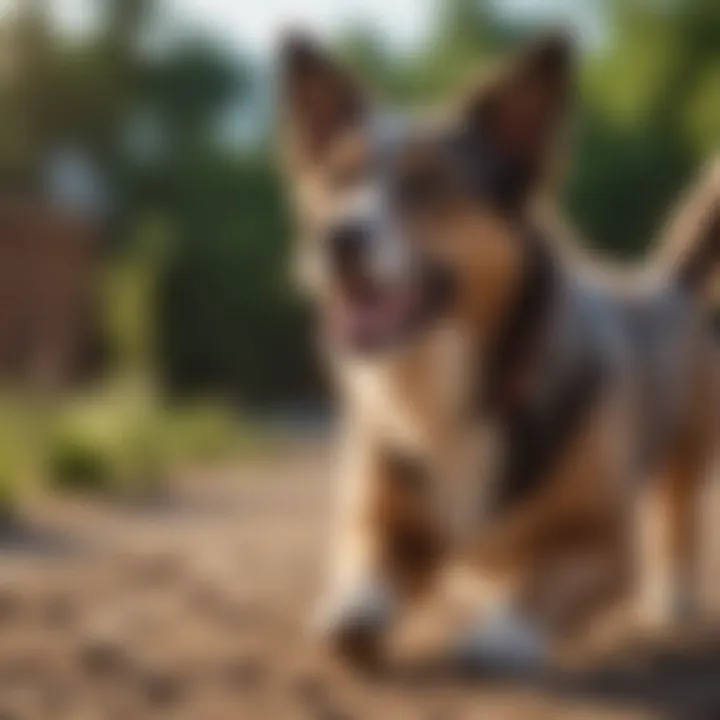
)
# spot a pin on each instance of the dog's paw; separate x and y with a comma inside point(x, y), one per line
point(506, 642)
point(353, 623)
point(668, 608)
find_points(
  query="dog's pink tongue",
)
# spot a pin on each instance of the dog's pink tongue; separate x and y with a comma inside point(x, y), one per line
point(372, 323)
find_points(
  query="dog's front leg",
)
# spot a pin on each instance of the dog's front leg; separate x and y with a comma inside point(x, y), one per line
point(386, 549)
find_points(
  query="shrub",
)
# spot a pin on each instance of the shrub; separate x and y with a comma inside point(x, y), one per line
point(78, 459)
point(202, 433)
point(8, 497)
point(125, 441)
point(20, 428)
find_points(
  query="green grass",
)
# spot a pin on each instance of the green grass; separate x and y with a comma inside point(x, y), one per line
point(9, 497)
point(119, 440)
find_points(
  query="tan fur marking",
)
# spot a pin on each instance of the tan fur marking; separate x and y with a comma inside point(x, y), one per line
point(670, 536)
point(387, 526)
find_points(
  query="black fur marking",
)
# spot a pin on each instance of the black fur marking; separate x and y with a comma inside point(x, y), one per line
point(487, 173)
point(538, 435)
point(407, 473)
point(414, 549)
point(536, 431)
point(519, 336)
point(413, 545)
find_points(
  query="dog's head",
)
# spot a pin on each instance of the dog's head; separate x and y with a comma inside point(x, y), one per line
point(406, 220)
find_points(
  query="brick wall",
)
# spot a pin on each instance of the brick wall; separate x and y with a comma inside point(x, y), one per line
point(48, 274)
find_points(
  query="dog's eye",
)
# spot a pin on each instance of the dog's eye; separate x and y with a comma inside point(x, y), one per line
point(420, 190)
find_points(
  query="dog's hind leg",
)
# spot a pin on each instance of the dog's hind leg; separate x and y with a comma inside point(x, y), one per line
point(670, 527)
point(669, 546)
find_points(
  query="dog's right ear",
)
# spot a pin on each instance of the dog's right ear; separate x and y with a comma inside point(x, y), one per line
point(318, 98)
point(521, 113)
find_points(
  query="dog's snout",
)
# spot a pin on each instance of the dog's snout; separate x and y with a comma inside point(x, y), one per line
point(347, 245)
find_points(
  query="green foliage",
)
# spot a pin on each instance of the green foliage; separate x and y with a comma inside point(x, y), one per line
point(652, 116)
point(129, 292)
point(207, 432)
point(191, 86)
point(228, 317)
point(197, 288)
point(123, 440)
point(9, 488)
point(91, 444)
point(79, 460)
point(467, 35)
point(21, 424)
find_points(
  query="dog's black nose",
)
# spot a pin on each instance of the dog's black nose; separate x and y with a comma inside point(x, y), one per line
point(347, 245)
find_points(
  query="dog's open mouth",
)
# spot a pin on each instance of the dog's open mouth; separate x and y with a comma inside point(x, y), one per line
point(371, 320)
point(367, 318)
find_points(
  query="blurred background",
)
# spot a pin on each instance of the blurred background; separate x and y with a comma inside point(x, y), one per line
point(148, 326)
point(144, 234)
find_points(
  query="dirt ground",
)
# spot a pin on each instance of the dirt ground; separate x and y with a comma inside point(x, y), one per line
point(193, 607)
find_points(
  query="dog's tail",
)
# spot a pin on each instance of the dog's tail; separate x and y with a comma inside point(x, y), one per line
point(690, 253)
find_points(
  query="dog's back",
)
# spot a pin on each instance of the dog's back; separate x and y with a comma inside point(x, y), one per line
point(654, 329)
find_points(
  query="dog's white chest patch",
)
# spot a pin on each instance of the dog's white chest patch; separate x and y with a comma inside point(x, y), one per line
point(415, 397)
point(420, 400)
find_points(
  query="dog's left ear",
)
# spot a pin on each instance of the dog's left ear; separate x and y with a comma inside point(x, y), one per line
point(520, 114)
point(318, 97)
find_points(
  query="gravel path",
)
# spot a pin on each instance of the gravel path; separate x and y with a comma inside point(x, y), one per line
point(192, 607)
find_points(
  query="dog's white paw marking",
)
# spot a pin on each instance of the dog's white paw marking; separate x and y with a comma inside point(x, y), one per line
point(672, 604)
point(505, 640)
point(365, 608)
point(683, 603)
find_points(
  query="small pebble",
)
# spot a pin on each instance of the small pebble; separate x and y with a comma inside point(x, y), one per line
point(161, 688)
point(245, 673)
point(310, 689)
point(60, 612)
point(10, 605)
point(333, 714)
point(100, 656)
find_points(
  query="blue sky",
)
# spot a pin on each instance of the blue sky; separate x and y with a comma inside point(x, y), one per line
point(254, 24)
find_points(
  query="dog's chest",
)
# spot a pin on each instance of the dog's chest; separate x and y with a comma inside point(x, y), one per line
point(416, 398)
point(421, 403)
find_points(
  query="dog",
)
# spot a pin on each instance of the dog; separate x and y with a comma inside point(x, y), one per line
point(506, 406)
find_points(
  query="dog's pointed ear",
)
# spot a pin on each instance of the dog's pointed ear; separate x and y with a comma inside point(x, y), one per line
point(521, 112)
point(318, 98)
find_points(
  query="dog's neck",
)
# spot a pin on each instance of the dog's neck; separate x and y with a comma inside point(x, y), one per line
point(537, 409)
point(510, 357)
